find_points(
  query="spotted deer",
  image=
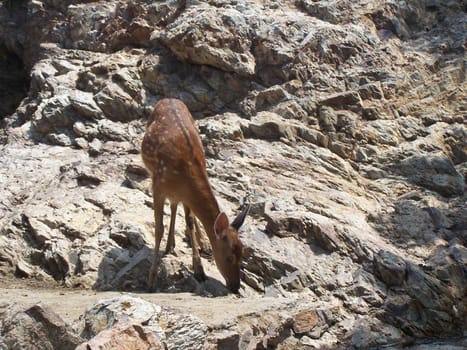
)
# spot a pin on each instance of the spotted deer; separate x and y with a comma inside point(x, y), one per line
point(173, 153)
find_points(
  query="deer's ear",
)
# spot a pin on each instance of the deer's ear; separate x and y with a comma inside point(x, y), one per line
point(238, 221)
point(221, 225)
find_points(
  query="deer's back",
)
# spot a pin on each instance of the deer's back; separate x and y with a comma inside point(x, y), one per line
point(172, 149)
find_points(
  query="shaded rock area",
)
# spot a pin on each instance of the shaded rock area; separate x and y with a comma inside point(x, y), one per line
point(13, 81)
point(342, 123)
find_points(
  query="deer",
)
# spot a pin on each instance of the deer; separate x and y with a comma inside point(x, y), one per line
point(173, 153)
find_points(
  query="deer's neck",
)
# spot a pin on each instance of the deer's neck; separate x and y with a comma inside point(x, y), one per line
point(205, 207)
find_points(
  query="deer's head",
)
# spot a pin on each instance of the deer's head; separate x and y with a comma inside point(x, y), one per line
point(229, 252)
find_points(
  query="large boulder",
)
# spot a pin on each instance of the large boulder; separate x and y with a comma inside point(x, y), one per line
point(435, 172)
point(36, 326)
point(141, 321)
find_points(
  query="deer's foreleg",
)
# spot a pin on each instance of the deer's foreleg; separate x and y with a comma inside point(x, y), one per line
point(203, 243)
point(190, 225)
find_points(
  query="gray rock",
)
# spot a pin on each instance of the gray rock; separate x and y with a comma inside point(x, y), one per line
point(390, 268)
point(313, 136)
point(448, 270)
point(55, 115)
point(312, 228)
point(95, 146)
point(113, 131)
point(270, 97)
point(35, 327)
point(349, 99)
point(118, 105)
point(366, 287)
point(272, 127)
point(371, 91)
point(86, 130)
point(182, 331)
point(385, 132)
point(328, 11)
point(138, 262)
point(85, 32)
point(327, 119)
point(85, 105)
point(107, 313)
point(374, 333)
point(227, 340)
point(39, 74)
point(435, 172)
point(410, 128)
point(429, 305)
point(224, 127)
point(226, 47)
point(23, 269)
point(176, 330)
point(458, 252)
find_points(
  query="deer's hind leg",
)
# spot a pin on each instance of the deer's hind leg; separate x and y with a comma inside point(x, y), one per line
point(190, 226)
point(159, 232)
point(169, 249)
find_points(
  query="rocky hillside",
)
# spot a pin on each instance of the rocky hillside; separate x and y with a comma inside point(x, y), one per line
point(343, 123)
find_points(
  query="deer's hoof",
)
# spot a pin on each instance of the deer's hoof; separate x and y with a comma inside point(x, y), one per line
point(170, 251)
point(200, 276)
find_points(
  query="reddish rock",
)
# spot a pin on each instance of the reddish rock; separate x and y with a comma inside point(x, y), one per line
point(123, 337)
point(305, 321)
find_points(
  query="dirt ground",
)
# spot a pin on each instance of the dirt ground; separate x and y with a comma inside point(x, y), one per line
point(70, 304)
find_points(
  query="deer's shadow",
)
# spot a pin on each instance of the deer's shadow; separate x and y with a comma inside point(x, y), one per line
point(127, 268)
